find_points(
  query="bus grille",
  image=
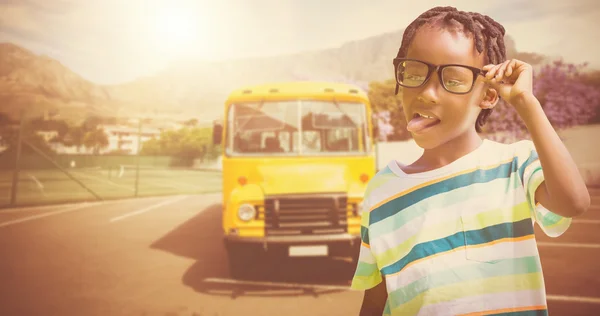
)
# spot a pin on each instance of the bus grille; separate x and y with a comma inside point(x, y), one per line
point(306, 214)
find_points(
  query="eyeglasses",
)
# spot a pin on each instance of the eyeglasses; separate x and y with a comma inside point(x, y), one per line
point(458, 79)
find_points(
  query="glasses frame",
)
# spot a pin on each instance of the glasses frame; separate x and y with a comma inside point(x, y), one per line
point(431, 68)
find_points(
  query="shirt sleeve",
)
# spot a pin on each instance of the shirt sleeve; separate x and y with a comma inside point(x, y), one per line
point(367, 274)
point(532, 175)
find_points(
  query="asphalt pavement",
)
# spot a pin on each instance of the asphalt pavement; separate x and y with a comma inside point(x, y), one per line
point(165, 256)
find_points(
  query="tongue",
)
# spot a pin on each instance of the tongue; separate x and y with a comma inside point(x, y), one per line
point(419, 123)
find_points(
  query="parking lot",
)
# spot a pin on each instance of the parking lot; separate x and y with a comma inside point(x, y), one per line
point(165, 256)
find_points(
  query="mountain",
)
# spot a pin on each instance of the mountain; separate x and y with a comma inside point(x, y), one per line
point(188, 89)
point(39, 84)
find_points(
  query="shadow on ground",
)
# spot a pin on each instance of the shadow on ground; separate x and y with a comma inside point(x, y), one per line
point(201, 239)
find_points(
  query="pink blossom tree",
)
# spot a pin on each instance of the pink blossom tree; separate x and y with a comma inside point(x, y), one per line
point(566, 98)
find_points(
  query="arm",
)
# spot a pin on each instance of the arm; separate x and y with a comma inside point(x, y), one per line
point(374, 300)
point(563, 191)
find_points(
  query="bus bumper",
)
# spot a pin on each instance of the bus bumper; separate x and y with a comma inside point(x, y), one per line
point(333, 245)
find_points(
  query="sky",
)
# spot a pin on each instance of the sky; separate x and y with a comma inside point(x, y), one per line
point(116, 41)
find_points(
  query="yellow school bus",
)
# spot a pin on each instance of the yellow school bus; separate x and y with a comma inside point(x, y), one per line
point(296, 158)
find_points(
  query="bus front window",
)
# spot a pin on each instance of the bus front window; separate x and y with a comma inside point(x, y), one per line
point(334, 127)
point(297, 128)
point(259, 128)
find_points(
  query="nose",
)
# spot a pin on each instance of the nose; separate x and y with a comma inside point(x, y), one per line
point(430, 90)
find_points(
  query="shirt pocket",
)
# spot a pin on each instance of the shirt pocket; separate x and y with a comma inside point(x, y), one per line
point(481, 244)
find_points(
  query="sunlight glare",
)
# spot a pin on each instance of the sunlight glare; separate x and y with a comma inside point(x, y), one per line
point(176, 31)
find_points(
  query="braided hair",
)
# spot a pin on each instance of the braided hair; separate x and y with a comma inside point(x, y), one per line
point(488, 34)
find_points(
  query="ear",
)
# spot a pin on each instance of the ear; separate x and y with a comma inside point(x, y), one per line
point(490, 98)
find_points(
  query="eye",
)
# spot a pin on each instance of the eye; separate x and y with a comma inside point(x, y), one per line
point(454, 83)
point(414, 77)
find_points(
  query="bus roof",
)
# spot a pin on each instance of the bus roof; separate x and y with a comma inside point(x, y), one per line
point(297, 89)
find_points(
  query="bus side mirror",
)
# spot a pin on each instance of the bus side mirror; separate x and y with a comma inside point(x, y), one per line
point(217, 134)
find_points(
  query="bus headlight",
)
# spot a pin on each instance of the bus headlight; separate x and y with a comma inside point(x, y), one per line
point(246, 212)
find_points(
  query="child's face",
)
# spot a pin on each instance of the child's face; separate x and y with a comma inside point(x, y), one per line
point(457, 113)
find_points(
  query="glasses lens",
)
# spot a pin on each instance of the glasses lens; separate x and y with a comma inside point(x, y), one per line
point(411, 73)
point(457, 79)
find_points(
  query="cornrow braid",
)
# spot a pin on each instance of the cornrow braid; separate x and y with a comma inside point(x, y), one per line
point(488, 35)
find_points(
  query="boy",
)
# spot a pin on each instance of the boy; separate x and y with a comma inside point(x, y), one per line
point(452, 233)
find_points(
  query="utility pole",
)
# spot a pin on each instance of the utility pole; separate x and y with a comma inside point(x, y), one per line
point(15, 180)
point(137, 163)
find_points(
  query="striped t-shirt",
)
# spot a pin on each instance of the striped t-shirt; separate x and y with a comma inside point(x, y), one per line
point(458, 239)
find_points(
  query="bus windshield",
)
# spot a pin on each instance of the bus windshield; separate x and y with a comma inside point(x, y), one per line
point(298, 127)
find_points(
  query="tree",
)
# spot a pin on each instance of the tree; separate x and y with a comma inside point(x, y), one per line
point(95, 139)
point(565, 97)
point(58, 125)
point(74, 137)
point(383, 126)
point(185, 145)
point(191, 122)
point(592, 78)
point(383, 101)
point(9, 136)
point(91, 122)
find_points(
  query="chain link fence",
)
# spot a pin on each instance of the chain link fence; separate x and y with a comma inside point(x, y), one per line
point(46, 160)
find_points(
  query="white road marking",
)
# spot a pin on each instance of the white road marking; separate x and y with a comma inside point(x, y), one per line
point(33, 217)
point(579, 299)
point(149, 208)
point(587, 221)
point(568, 245)
point(19, 209)
point(34, 208)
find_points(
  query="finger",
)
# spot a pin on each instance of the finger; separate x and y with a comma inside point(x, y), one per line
point(492, 72)
point(496, 84)
point(502, 88)
point(510, 68)
point(488, 67)
point(500, 74)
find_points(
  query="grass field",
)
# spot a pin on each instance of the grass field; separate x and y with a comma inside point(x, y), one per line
point(50, 186)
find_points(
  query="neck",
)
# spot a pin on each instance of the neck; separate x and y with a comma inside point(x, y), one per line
point(450, 151)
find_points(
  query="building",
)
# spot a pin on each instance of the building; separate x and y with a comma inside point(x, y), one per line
point(124, 139)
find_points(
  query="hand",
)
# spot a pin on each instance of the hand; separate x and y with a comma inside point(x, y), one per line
point(513, 79)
